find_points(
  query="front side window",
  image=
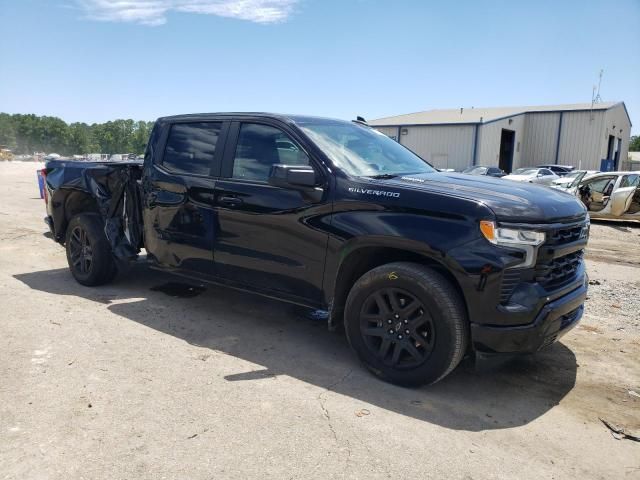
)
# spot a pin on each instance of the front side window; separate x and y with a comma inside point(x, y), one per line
point(544, 172)
point(260, 147)
point(191, 147)
point(601, 185)
point(578, 176)
point(362, 151)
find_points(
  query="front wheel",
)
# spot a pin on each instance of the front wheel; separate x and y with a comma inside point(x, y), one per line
point(406, 323)
point(88, 251)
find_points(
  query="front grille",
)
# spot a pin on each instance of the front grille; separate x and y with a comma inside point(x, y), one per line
point(561, 236)
point(558, 271)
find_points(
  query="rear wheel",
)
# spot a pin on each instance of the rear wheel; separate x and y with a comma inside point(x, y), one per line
point(88, 251)
point(407, 323)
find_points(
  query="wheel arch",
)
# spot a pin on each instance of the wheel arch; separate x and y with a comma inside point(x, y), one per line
point(357, 261)
point(67, 204)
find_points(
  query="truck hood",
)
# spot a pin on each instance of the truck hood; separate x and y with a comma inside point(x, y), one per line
point(510, 201)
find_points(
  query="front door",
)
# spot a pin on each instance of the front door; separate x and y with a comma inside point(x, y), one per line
point(595, 193)
point(507, 144)
point(267, 236)
point(178, 190)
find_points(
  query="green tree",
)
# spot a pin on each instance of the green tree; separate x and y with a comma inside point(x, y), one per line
point(79, 139)
point(7, 131)
point(29, 133)
point(140, 137)
point(634, 143)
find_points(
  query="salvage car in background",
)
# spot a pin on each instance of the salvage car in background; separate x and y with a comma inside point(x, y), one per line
point(611, 195)
point(532, 175)
point(488, 171)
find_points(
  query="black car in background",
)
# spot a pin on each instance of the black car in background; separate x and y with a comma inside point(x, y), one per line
point(560, 170)
point(488, 171)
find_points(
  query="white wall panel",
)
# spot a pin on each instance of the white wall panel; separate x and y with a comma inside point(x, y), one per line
point(448, 146)
point(617, 123)
point(581, 139)
point(489, 141)
point(540, 138)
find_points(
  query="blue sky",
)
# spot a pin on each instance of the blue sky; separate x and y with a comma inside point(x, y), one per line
point(95, 60)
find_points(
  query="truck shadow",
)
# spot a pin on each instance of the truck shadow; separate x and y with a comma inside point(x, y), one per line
point(282, 340)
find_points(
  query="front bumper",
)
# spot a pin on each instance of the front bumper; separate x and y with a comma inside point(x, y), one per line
point(553, 320)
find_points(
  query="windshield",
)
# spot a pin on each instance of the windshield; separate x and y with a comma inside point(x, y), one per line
point(475, 170)
point(573, 175)
point(525, 171)
point(362, 151)
point(578, 177)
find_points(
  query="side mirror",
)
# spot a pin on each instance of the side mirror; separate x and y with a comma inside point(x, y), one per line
point(299, 177)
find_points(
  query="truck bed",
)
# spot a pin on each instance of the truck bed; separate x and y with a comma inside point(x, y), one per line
point(112, 188)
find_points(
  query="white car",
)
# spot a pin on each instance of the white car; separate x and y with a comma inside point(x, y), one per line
point(611, 195)
point(569, 182)
point(533, 175)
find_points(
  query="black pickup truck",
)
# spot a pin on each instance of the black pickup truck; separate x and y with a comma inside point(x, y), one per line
point(420, 267)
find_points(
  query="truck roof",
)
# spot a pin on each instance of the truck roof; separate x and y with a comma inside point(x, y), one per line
point(278, 116)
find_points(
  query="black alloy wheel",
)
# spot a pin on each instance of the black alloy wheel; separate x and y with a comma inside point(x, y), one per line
point(397, 328)
point(407, 323)
point(80, 250)
point(89, 253)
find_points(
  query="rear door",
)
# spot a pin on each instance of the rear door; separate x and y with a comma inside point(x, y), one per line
point(267, 236)
point(622, 196)
point(179, 189)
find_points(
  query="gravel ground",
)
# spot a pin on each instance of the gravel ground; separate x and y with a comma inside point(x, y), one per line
point(124, 381)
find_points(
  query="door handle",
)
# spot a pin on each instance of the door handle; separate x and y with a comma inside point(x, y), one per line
point(230, 201)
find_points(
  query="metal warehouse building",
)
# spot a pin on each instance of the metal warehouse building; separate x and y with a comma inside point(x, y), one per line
point(581, 135)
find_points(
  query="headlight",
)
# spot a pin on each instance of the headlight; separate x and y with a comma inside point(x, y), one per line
point(525, 240)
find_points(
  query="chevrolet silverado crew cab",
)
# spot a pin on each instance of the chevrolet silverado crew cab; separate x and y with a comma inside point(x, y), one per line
point(419, 267)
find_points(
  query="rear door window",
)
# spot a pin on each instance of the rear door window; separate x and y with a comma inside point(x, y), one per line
point(630, 181)
point(191, 147)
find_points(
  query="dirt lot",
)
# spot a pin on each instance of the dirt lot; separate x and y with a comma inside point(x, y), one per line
point(127, 382)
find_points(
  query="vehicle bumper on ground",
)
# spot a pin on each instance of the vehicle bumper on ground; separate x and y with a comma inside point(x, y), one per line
point(553, 320)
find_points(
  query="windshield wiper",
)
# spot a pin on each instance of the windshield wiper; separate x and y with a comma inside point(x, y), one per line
point(383, 176)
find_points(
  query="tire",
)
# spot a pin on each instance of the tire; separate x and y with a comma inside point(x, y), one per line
point(412, 309)
point(88, 251)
